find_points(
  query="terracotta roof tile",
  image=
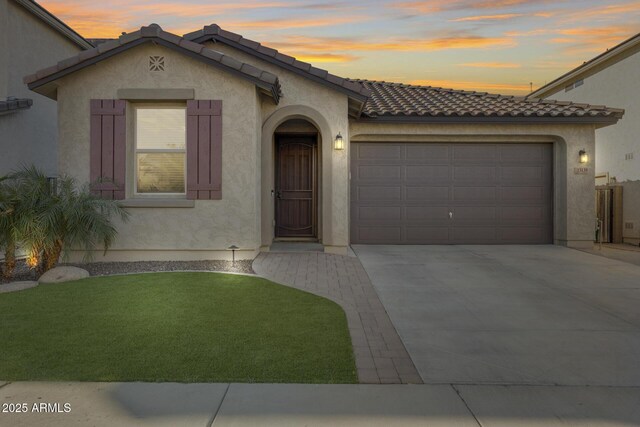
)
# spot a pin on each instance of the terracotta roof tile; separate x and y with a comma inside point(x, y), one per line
point(214, 31)
point(262, 78)
point(402, 100)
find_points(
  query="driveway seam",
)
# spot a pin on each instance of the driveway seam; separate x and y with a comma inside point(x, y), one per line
point(466, 404)
point(5, 384)
point(215, 414)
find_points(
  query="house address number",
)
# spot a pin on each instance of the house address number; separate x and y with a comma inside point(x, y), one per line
point(581, 171)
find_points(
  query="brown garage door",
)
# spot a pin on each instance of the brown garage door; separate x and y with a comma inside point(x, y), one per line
point(423, 193)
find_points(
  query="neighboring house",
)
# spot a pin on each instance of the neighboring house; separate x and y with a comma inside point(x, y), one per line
point(30, 38)
point(611, 78)
point(214, 140)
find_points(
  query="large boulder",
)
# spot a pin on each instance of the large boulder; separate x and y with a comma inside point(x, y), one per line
point(63, 274)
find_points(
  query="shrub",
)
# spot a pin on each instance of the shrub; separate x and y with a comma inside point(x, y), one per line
point(48, 217)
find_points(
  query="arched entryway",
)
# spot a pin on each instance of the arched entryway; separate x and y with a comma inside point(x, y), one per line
point(296, 173)
point(294, 119)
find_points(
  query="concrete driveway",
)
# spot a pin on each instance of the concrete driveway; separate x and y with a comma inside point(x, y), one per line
point(511, 314)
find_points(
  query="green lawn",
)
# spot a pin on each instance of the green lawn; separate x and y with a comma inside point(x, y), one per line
point(186, 327)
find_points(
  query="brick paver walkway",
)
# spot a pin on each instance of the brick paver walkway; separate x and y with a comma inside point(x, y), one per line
point(380, 354)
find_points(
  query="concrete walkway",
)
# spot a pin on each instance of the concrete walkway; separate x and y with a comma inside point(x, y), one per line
point(283, 405)
point(380, 354)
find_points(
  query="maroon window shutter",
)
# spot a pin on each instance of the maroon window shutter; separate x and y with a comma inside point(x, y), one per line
point(108, 148)
point(204, 150)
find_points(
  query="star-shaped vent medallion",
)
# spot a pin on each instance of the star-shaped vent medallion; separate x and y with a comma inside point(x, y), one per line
point(156, 63)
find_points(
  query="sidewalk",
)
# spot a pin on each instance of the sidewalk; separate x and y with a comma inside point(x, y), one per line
point(172, 404)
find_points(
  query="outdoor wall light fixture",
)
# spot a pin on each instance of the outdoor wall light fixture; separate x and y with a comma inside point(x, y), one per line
point(338, 143)
point(584, 157)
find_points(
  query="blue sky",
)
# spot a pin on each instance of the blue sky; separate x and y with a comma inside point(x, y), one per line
point(489, 45)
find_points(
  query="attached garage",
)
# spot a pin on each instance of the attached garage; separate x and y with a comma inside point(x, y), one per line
point(451, 193)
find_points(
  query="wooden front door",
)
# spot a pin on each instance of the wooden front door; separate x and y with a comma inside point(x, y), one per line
point(296, 186)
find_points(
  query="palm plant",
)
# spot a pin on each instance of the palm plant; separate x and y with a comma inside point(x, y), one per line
point(8, 231)
point(56, 215)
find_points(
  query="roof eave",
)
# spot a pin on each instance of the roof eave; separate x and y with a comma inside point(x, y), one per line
point(583, 69)
point(217, 38)
point(272, 89)
point(55, 23)
point(598, 121)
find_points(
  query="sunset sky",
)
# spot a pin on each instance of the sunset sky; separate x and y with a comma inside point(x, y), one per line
point(488, 45)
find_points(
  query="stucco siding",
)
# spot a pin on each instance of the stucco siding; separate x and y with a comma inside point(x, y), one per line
point(208, 227)
point(332, 107)
point(617, 149)
point(574, 216)
point(28, 44)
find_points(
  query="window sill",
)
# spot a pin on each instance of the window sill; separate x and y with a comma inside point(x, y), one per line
point(157, 203)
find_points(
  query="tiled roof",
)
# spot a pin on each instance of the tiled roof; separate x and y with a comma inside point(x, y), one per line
point(397, 100)
point(153, 32)
point(214, 32)
point(12, 104)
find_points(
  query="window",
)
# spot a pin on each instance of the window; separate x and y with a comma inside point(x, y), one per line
point(160, 150)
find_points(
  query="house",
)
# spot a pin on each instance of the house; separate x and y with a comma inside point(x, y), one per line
point(213, 140)
point(30, 38)
point(611, 78)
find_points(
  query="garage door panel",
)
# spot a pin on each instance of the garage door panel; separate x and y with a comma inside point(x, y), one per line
point(521, 174)
point(428, 213)
point(428, 173)
point(475, 152)
point(379, 172)
point(475, 194)
point(523, 194)
point(379, 213)
point(379, 152)
point(523, 153)
point(473, 173)
point(431, 194)
point(379, 193)
point(474, 213)
point(402, 193)
point(427, 153)
point(522, 213)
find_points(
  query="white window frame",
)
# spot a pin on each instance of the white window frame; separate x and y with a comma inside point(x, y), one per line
point(158, 150)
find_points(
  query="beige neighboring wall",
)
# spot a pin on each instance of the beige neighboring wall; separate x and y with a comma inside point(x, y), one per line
point(574, 204)
point(327, 109)
point(615, 83)
point(28, 44)
point(207, 229)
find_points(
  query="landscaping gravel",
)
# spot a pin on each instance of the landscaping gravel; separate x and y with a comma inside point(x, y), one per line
point(23, 273)
point(106, 268)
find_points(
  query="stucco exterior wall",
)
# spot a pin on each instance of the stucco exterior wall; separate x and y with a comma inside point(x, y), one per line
point(574, 206)
point(617, 86)
point(327, 109)
point(207, 229)
point(28, 44)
